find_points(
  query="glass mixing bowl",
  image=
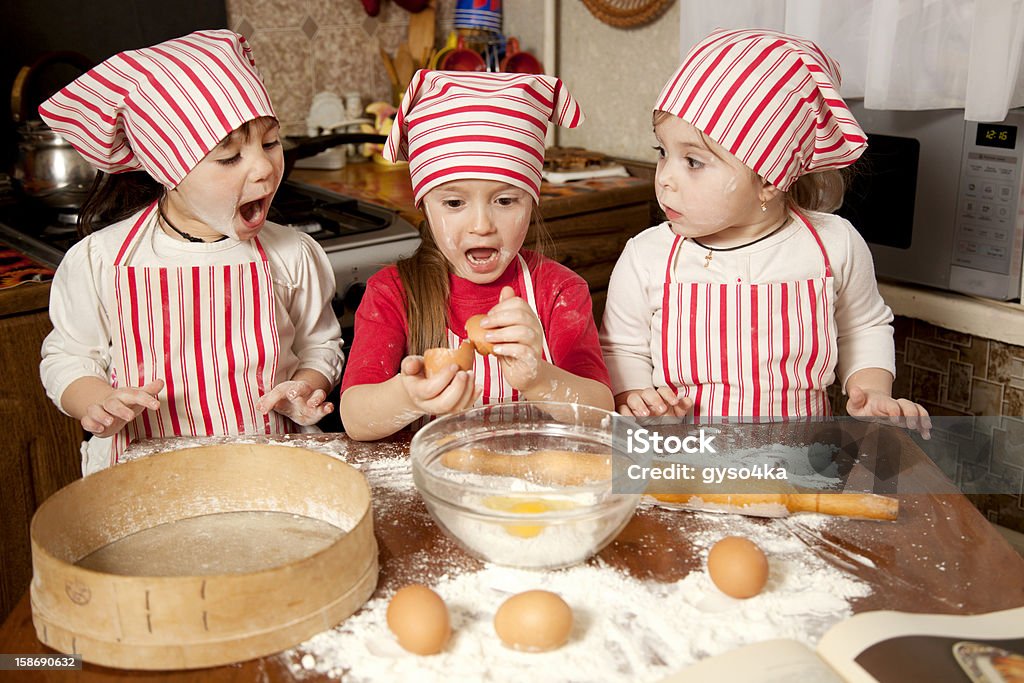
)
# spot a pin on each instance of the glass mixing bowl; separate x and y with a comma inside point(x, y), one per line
point(525, 484)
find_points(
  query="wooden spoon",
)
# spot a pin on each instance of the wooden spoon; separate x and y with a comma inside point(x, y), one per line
point(390, 66)
point(405, 67)
point(421, 35)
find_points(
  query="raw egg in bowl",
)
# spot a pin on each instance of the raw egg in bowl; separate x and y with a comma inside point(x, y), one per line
point(525, 484)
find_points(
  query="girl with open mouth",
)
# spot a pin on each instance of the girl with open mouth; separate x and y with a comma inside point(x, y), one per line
point(189, 314)
point(475, 146)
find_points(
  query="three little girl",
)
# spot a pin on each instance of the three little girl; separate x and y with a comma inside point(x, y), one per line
point(192, 315)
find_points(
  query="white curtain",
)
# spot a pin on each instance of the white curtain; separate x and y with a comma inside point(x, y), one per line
point(896, 54)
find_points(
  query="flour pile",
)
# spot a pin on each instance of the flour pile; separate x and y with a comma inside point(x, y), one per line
point(625, 629)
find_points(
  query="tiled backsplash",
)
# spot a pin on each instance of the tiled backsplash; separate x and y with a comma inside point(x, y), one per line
point(308, 46)
point(951, 373)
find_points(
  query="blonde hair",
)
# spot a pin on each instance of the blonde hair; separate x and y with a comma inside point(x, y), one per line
point(424, 277)
point(815, 191)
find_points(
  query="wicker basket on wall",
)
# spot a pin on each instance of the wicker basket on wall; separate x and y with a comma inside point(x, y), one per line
point(627, 13)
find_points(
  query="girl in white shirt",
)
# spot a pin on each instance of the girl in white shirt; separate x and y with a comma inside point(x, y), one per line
point(750, 299)
point(190, 314)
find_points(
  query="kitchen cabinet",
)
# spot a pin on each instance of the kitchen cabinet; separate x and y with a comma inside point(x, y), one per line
point(588, 221)
point(590, 224)
point(40, 453)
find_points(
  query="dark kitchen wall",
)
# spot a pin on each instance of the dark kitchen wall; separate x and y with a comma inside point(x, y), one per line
point(95, 28)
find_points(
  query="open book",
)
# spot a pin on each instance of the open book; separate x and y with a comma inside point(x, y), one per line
point(882, 647)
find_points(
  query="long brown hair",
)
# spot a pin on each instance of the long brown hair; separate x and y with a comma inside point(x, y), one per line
point(424, 277)
point(115, 196)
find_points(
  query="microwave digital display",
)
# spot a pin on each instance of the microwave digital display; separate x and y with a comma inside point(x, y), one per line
point(996, 135)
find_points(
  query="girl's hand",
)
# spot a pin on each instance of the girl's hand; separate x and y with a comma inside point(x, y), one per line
point(296, 400)
point(875, 403)
point(518, 339)
point(120, 407)
point(653, 403)
point(448, 391)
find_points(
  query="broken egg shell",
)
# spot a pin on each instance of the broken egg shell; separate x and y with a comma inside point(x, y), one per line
point(419, 619)
point(738, 567)
point(534, 621)
point(476, 334)
point(436, 360)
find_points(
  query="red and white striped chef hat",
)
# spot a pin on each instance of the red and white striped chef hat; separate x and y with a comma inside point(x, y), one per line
point(162, 108)
point(466, 125)
point(770, 99)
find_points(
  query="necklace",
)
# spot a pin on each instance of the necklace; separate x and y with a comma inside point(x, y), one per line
point(712, 250)
point(190, 238)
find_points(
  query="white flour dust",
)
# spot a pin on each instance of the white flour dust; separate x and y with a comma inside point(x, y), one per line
point(624, 629)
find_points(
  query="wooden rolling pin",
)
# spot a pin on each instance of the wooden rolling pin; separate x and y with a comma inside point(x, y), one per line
point(563, 468)
point(568, 468)
point(860, 505)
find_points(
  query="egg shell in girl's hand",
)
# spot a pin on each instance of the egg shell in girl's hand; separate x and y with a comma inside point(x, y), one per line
point(738, 567)
point(476, 335)
point(436, 360)
point(419, 619)
point(534, 621)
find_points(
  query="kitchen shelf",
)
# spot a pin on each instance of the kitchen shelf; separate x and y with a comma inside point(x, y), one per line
point(986, 318)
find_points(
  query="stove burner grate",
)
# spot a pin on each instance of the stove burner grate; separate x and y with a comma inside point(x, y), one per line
point(324, 218)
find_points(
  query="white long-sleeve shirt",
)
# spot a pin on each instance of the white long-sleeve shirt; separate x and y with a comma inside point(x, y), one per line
point(636, 288)
point(82, 313)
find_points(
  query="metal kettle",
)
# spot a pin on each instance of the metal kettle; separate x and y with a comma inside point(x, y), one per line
point(48, 169)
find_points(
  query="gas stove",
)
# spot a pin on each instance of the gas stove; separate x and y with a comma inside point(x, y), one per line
point(358, 237)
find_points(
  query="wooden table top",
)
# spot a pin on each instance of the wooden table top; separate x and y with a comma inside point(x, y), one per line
point(391, 187)
point(959, 564)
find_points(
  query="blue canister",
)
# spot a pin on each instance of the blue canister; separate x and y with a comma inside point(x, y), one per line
point(478, 14)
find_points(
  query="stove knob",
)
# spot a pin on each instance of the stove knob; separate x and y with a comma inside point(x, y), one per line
point(353, 295)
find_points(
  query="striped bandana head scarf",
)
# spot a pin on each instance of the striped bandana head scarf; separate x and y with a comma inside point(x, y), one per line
point(162, 108)
point(770, 99)
point(488, 126)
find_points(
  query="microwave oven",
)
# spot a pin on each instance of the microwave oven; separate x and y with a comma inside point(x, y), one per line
point(939, 199)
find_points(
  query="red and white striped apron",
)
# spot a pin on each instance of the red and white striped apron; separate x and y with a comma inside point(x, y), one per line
point(209, 332)
point(748, 349)
point(487, 369)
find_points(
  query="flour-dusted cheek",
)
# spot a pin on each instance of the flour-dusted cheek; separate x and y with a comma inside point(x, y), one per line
point(218, 214)
point(446, 234)
point(718, 214)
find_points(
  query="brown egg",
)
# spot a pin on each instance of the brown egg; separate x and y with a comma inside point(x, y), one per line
point(534, 621)
point(476, 335)
point(738, 567)
point(419, 619)
point(436, 360)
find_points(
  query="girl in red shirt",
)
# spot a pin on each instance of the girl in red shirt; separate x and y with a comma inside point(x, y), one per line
point(475, 146)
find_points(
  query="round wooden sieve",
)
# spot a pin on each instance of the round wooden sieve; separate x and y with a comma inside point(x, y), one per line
point(185, 622)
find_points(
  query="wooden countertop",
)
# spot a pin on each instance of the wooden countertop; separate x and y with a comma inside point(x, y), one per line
point(986, 318)
point(940, 556)
point(26, 298)
point(390, 186)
